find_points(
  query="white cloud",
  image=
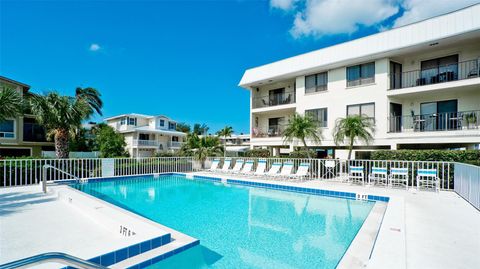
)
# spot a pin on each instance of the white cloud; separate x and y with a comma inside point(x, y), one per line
point(94, 47)
point(283, 4)
point(416, 10)
point(321, 17)
point(330, 17)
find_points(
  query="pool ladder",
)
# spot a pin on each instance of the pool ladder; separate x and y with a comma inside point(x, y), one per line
point(44, 179)
point(57, 257)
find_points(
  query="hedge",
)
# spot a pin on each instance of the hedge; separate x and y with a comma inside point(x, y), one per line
point(462, 156)
point(258, 153)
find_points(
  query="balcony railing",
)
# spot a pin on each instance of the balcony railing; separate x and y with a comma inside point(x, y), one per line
point(145, 143)
point(441, 74)
point(174, 144)
point(272, 131)
point(451, 121)
point(274, 99)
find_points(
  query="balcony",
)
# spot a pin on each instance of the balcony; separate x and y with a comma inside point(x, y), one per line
point(145, 143)
point(274, 99)
point(452, 121)
point(175, 144)
point(440, 74)
point(272, 131)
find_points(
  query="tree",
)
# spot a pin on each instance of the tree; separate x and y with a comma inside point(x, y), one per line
point(108, 142)
point(200, 129)
point(183, 127)
point(302, 128)
point(351, 128)
point(62, 115)
point(11, 103)
point(201, 147)
point(227, 131)
point(80, 142)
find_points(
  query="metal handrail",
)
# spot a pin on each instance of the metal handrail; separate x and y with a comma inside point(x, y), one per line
point(44, 179)
point(58, 257)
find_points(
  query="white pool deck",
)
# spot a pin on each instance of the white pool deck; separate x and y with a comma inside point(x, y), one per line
point(419, 229)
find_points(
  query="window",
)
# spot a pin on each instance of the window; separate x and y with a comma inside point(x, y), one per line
point(143, 137)
point(32, 131)
point(367, 110)
point(132, 121)
point(439, 70)
point(175, 138)
point(172, 125)
point(319, 115)
point(7, 129)
point(316, 83)
point(360, 74)
point(123, 121)
point(162, 123)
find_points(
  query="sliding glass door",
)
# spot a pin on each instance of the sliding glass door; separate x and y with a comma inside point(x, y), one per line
point(440, 115)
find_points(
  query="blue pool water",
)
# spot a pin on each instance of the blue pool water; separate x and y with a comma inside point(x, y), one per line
point(238, 226)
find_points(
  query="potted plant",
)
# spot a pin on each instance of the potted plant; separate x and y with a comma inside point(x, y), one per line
point(471, 119)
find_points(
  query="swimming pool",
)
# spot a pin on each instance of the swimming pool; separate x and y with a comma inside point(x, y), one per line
point(239, 226)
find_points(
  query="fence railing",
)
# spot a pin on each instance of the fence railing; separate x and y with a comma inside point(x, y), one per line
point(20, 172)
point(338, 170)
point(464, 179)
point(440, 74)
point(467, 183)
point(451, 121)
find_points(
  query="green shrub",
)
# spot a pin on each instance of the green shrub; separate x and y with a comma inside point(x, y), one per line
point(302, 154)
point(462, 156)
point(258, 153)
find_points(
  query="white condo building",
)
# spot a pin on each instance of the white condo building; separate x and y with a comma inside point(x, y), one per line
point(420, 83)
point(146, 135)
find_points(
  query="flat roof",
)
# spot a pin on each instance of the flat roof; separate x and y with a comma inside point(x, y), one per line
point(419, 35)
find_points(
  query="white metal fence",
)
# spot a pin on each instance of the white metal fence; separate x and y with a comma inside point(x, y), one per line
point(467, 183)
point(337, 169)
point(19, 172)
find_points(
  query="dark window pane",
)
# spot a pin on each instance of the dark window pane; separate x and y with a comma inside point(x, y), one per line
point(310, 84)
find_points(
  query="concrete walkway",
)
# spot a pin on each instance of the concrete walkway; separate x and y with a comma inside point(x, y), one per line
point(32, 223)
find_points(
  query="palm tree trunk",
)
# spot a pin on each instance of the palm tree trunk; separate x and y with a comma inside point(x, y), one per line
point(306, 148)
point(61, 143)
point(350, 148)
point(224, 146)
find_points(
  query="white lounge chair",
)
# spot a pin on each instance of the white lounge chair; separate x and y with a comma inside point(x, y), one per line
point(379, 175)
point(247, 168)
point(355, 174)
point(274, 169)
point(214, 166)
point(428, 178)
point(261, 166)
point(302, 171)
point(286, 171)
point(226, 165)
point(398, 177)
point(237, 167)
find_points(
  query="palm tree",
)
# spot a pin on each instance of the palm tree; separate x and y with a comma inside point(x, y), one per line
point(62, 115)
point(302, 128)
point(227, 131)
point(11, 103)
point(201, 147)
point(352, 128)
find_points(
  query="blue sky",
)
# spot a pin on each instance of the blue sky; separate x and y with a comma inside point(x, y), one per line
point(183, 59)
